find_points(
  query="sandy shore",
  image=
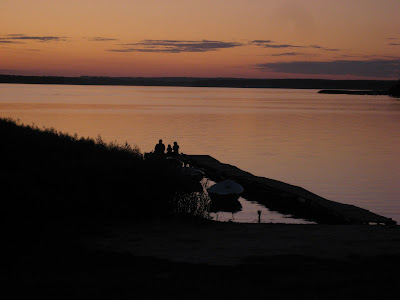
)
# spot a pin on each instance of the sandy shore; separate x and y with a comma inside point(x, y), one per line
point(234, 244)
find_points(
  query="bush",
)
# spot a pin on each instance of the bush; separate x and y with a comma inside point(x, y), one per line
point(53, 176)
point(395, 90)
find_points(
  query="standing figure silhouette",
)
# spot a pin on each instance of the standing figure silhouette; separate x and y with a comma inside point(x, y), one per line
point(159, 148)
point(176, 148)
point(169, 149)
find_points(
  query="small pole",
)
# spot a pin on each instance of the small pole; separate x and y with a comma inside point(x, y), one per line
point(259, 216)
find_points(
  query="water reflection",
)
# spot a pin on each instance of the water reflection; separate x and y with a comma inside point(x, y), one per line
point(249, 214)
point(247, 211)
point(342, 147)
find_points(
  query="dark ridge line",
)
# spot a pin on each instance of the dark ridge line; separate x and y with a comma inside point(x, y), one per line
point(204, 82)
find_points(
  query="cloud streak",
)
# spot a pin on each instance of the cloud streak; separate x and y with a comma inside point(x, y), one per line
point(18, 38)
point(368, 68)
point(272, 44)
point(179, 46)
point(176, 46)
point(322, 48)
point(101, 39)
point(286, 54)
point(293, 54)
point(8, 42)
point(282, 46)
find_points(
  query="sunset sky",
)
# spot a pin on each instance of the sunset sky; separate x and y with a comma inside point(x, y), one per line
point(335, 39)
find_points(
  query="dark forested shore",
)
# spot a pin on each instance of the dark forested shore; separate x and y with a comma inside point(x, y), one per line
point(351, 92)
point(393, 91)
point(204, 82)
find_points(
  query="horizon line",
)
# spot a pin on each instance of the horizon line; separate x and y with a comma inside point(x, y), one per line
point(194, 77)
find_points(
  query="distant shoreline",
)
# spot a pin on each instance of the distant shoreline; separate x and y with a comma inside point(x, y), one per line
point(352, 92)
point(370, 85)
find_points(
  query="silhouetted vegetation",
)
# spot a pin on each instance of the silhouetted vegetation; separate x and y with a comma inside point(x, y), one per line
point(395, 90)
point(350, 92)
point(51, 176)
point(57, 189)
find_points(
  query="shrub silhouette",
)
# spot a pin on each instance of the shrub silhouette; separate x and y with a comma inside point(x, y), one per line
point(395, 90)
point(52, 176)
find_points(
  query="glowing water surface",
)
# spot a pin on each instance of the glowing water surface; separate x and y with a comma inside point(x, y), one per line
point(342, 147)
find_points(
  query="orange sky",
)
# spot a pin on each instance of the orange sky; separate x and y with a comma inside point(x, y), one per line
point(343, 39)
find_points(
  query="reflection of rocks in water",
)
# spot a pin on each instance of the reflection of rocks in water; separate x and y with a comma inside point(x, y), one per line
point(249, 214)
point(227, 203)
point(395, 90)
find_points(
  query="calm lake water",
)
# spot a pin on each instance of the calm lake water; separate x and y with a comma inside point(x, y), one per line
point(342, 147)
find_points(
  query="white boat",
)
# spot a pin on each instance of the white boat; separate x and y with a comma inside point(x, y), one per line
point(226, 187)
point(225, 196)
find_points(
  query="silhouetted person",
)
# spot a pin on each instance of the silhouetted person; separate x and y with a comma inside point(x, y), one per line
point(159, 148)
point(176, 148)
point(169, 149)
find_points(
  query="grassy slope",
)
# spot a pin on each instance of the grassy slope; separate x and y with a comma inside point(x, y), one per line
point(49, 175)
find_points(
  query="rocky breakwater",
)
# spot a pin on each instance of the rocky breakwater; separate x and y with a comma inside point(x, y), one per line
point(286, 198)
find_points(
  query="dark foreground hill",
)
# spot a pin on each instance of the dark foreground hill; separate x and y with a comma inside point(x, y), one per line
point(86, 219)
point(49, 175)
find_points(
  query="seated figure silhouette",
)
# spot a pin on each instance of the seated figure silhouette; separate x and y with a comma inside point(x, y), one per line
point(176, 148)
point(159, 148)
point(169, 149)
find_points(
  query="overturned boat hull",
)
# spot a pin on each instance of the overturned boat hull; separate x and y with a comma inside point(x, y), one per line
point(225, 196)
